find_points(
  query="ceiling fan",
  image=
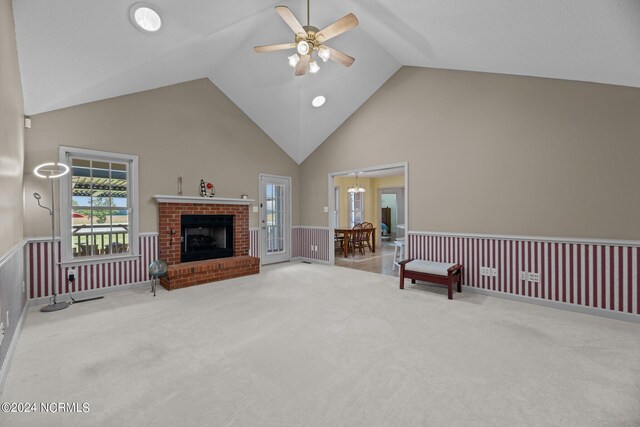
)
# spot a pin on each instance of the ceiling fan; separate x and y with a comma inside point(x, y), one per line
point(309, 39)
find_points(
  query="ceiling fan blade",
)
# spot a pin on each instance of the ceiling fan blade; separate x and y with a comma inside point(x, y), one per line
point(291, 20)
point(340, 26)
point(303, 64)
point(274, 47)
point(340, 58)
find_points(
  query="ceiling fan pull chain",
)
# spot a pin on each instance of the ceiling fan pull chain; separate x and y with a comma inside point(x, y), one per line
point(308, 14)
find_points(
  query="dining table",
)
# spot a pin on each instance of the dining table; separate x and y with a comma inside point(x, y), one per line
point(346, 235)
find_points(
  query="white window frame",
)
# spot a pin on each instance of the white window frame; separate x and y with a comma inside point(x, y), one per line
point(351, 199)
point(336, 212)
point(65, 154)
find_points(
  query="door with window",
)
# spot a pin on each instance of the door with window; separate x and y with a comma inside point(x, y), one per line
point(275, 218)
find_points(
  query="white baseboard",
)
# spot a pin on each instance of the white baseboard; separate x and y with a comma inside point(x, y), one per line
point(628, 317)
point(12, 348)
point(89, 293)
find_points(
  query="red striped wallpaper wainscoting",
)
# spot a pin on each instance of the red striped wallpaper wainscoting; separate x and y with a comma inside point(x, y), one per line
point(595, 274)
point(303, 238)
point(38, 269)
point(254, 243)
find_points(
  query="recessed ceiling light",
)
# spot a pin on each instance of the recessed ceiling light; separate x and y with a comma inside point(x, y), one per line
point(318, 101)
point(145, 17)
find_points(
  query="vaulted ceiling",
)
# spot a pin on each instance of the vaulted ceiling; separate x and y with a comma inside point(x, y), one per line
point(77, 51)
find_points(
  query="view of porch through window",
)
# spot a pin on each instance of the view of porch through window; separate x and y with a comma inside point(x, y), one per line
point(275, 217)
point(100, 208)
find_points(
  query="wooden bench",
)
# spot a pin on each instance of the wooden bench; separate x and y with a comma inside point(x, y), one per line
point(434, 272)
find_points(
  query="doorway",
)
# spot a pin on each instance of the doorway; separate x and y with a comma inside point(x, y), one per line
point(391, 202)
point(275, 218)
point(348, 207)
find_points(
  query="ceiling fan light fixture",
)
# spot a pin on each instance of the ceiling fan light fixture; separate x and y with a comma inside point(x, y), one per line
point(293, 60)
point(324, 53)
point(309, 39)
point(303, 47)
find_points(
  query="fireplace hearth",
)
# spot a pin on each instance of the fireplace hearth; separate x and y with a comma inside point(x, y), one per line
point(205, 237)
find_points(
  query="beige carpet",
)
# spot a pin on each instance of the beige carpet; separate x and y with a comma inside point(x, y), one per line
point(316, 345)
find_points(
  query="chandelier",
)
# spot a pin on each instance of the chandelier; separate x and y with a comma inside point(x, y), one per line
point(356, 188)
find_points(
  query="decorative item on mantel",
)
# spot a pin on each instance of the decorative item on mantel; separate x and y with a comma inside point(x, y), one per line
point(207, 189)
point(179, 185)
point(244, 197)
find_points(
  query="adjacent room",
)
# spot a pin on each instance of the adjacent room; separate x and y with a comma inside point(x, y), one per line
point(369, 218)
point(336, 213)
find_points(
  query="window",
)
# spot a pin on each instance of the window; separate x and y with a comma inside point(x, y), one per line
point(98, 215)
point(356, 208)
point(336, 212)
point(275, 217)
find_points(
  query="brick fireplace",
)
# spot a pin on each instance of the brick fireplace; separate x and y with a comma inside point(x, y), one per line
point(174, 211)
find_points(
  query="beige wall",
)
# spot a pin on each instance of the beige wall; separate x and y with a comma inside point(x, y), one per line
point(190, 129)
point(496, 154)
point(11, 133)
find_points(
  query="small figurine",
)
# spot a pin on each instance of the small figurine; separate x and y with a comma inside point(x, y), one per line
point(207, 189)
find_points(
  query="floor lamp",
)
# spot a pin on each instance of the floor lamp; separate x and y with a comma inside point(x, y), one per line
point(52, 171)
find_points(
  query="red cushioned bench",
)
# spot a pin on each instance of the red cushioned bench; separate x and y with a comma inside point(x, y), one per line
point(433, 272)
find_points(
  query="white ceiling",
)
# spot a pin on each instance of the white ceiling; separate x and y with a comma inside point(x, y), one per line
point(77, 51)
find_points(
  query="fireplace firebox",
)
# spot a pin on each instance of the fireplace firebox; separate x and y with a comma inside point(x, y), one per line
point(206, 237)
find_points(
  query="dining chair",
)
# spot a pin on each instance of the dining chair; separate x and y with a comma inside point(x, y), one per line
point(338, 239)
point(367, 231)
point(356, 240)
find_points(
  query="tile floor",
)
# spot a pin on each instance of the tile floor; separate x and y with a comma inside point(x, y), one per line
point(379, 262)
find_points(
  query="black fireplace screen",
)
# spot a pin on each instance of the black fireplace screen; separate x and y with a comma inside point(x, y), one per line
point(206, 237)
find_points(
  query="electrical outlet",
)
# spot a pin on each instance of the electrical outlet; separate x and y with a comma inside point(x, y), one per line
point(485, 271)
point(315, 248)
point(311, 248)
point(494, 272)
point(534, 277)
point(523, 275)
point(7, 318)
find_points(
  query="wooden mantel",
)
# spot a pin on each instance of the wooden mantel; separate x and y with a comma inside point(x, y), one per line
point(204, 200)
